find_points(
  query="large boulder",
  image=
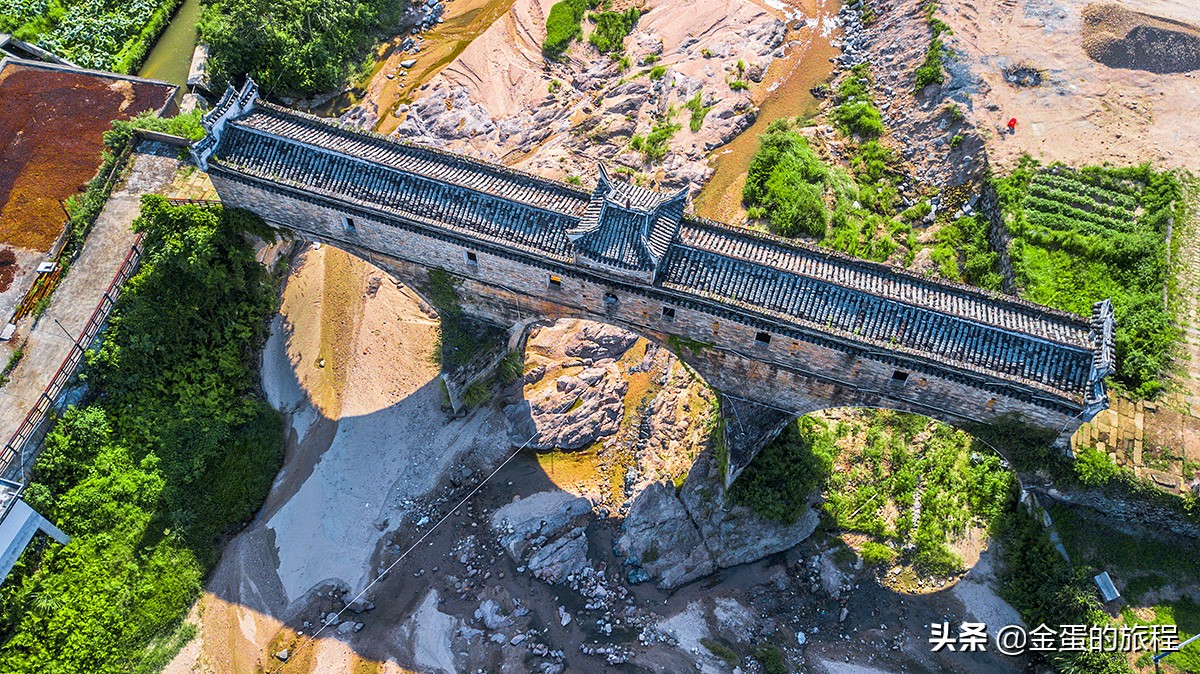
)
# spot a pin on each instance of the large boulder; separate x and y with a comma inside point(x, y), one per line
point(658, 536)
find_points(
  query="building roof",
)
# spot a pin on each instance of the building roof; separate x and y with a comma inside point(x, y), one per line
point(820, 292)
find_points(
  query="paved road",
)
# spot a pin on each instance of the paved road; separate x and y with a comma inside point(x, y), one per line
point(76, 298)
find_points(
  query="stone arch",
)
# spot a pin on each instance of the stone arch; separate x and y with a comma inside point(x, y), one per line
point(763, 384)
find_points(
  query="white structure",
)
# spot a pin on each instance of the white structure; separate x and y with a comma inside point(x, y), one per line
point(18, 524)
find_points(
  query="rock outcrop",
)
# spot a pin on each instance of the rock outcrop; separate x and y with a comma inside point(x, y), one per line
point(677, 538)
point(501, 100)
point(544, 532)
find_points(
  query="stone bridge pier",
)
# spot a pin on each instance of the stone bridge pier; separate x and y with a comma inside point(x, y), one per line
point(780, 327)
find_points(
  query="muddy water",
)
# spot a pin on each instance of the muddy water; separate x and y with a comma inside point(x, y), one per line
point(785, 93)
point(465, 20)
point(171, 56)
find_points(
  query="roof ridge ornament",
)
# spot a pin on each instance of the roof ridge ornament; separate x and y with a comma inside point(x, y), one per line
point(233, 104)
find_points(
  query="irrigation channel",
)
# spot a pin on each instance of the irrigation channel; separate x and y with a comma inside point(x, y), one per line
point(171, 56)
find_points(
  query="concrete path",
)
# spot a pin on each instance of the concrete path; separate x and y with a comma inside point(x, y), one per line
point(75, 299)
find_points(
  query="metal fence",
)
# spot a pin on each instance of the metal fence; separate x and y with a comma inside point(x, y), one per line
point(13, 459)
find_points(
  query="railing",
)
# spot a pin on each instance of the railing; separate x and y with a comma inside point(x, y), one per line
point(14, 451)
point(193, 202)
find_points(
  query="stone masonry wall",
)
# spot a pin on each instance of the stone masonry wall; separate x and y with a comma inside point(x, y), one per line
point(795, 374)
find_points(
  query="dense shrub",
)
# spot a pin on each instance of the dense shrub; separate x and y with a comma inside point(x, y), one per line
point(174, 448)
point(562, 26)
point(1045, 589)
point(787, 180)
point(289, 46)
point(611, 29)
point(778, 482)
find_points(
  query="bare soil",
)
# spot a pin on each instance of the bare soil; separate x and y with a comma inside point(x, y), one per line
point(1086, 111)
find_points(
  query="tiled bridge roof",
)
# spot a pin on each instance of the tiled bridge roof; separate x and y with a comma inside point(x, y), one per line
point(812, 291)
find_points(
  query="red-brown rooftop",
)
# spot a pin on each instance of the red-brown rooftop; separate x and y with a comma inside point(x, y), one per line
point(52, 122)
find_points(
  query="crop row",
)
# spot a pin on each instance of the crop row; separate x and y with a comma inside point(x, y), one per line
point(16, 12)
point(1071, 183)
point(1080, 201)
point(93, 35)
point(1070, 217)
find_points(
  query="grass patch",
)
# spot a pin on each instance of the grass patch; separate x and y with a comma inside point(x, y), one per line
point(930, 71)
point(13, 361)
point(771, 659)
point(725, 653)
point(562, 26)
point(173, 449)
point(698, 109)
point(855, 112)
point(655, 145)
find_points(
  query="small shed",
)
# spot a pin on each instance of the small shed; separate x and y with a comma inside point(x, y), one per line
point(18, 525)
point(1107, 590)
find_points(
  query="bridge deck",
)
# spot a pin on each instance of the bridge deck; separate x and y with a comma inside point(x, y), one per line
point(818, 291)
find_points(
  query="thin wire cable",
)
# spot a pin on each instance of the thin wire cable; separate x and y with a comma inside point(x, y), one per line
point(337, 616)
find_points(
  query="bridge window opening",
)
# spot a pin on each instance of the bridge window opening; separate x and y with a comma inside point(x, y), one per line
point(555, 281)
point(472, 258)
point(348, 225)
point(668, 313)
point(899, 377)
point(763, 338)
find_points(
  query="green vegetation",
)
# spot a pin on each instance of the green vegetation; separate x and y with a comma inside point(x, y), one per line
point(793, 189)
point(698, 109)
point(1046, 589)
point(172, 450)
point(912, 484)
point(771, 659)
point(657, 72)
point(787, 181)
point(930, 71)
point(778, 482)
point(738, 85)
point(85, 207)
point(554, 85)
point(292, 47)
point(725, 653)
point(111, 35)
point(963, 253)
point(13, 361)
point(855, 112)
point(877, 554)
point(1084, 235)
point(1148, 568)
point(655, 145)
point(612, 28)
point(562, 26)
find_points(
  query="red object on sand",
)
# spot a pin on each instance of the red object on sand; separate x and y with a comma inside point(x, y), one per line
point(1012, 123)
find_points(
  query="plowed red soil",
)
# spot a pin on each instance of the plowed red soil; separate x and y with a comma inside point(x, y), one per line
point(51, 136)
